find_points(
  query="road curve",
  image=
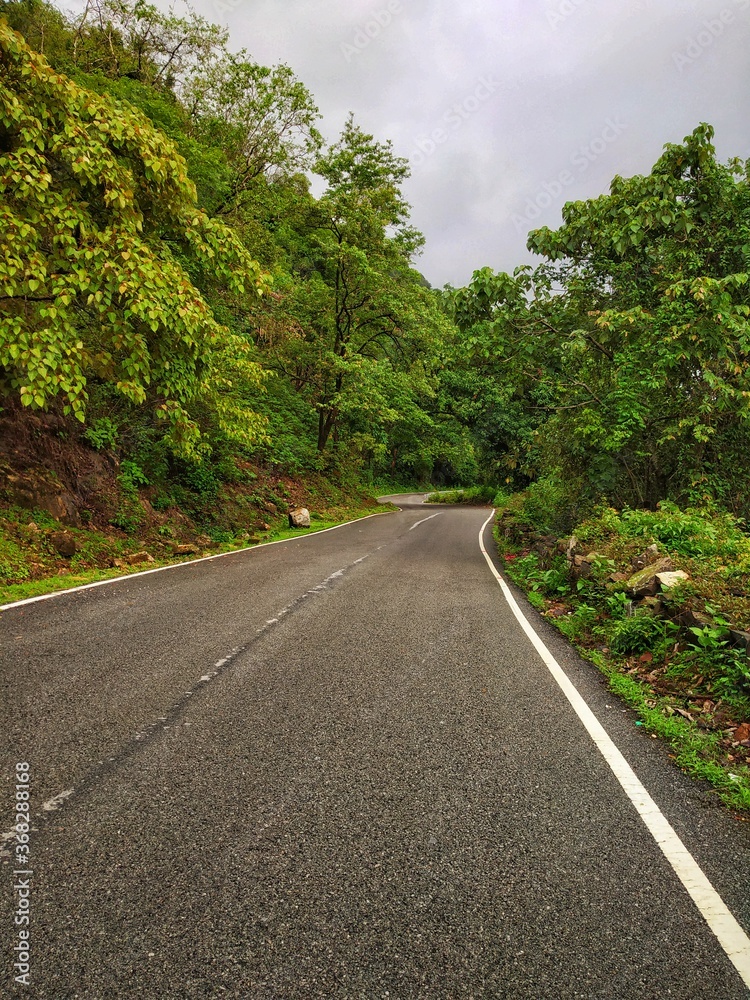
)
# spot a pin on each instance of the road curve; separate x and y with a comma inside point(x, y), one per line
point(337, 768)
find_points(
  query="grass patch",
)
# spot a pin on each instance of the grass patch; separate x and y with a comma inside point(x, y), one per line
point(11, 592)
point(697, 752)
point(689, 685)
point(476, 495)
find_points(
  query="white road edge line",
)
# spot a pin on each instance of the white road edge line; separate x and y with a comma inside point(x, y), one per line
point(188, 562)
point(725, 927)
point(425, 519)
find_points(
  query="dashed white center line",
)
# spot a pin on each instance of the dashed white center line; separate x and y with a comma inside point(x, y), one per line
point(424, 519)
point(58, 801)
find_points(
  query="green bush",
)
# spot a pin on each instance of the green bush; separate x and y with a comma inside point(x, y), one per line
point(102, 433)
point(639, 633)
point(579, 623)
point(548, 506)
point(691, 532)
point(470, 495)
point(130, 511)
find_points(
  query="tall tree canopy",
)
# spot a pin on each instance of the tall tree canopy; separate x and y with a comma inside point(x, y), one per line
point(636, 330)
point(98, 231)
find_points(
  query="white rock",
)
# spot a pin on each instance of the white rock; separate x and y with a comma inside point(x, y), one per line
point(299, 518)
point(667, 580)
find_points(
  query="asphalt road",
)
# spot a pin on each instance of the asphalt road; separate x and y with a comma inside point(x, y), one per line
point(336, 768)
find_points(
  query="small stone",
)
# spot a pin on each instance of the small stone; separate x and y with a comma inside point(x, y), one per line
point(667, 580)
point(139, 557)
point(644, 582)
point(186, 550)
point(299, 518)
point(63, 543)
point(203, 541)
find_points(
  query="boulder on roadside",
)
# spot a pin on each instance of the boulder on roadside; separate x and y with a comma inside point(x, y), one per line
point(63, 543)
point(185, 550)
point(692, 619)
point(654, 605)
point(580, 568)
point(139, 557)
point(644, 583)
point(739, 639)
point(299, 518)
point(545, 548)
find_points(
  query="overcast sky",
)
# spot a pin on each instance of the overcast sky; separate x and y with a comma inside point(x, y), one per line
point(508, 109)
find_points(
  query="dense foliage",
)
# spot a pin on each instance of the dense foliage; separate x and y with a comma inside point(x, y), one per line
point(96, 219)
point(625, 353)
point(167, 276)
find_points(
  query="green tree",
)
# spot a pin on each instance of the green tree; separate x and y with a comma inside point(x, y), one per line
point(635, 331)
point(132, 38)
point(263, 118)
point(99, 237)
point(364, 281)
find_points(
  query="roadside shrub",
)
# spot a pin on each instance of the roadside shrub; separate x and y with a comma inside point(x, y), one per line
point(548, 506)
point(691, 532)
point(549, 582)
point(130, 512)
point(579, 623)
point(618, 605)
point(536, 600)
point(470, 495)
point(640, 633)
point(13, 564)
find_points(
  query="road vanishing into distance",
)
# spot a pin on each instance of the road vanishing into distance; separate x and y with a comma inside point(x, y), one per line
point(337, 767)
